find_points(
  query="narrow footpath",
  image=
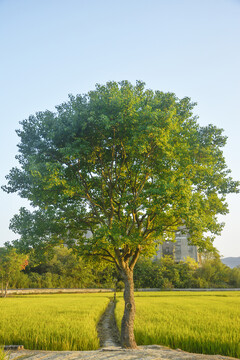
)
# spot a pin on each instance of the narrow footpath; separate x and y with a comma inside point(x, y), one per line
point(107, 329)
point(110, 348)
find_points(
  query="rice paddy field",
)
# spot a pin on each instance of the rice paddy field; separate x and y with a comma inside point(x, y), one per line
point(199, 322)
point(52, 322)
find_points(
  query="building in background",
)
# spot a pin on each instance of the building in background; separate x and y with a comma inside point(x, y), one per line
point(180, 249)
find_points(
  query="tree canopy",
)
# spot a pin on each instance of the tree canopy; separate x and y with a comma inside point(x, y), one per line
point(115, 171)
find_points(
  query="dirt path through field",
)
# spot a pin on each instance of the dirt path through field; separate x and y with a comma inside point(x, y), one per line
point(107, 328)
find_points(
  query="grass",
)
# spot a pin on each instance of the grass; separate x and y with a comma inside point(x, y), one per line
point(52, 322)
point(3, 355)
point(204, 322)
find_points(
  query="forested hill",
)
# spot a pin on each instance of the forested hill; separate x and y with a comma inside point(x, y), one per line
point(231, 261)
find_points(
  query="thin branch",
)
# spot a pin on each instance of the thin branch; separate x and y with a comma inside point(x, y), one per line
point(104, 257)
point(134, 258)
point(128, 255)
point(119, 258)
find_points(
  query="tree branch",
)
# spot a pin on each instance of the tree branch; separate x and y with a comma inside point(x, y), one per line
point(134, 258)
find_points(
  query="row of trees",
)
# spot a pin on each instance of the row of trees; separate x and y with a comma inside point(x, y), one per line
point(63, 269)
point(58, 268)
point(167, 274)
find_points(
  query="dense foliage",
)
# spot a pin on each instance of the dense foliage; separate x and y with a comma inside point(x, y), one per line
point(127, 164)
point(63, 269)
point(11, 263)
point(167, 274)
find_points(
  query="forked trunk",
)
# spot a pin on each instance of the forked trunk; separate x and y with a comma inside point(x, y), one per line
point(127, 326)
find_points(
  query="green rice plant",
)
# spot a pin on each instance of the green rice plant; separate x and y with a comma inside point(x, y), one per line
point(3, 355)
point(52, 322)
point(200, 322)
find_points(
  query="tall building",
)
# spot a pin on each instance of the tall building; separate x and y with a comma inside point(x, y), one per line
point(180, 249)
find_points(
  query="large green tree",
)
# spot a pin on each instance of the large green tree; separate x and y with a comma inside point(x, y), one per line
point(113, 172)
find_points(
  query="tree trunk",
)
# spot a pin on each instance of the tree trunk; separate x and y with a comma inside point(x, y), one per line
point(127, 326)
point(6, 287)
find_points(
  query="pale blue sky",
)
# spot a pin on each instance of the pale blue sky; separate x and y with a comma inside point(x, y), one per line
point(50, 48)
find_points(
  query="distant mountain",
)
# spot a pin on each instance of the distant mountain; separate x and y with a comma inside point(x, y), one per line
point(231, 261)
